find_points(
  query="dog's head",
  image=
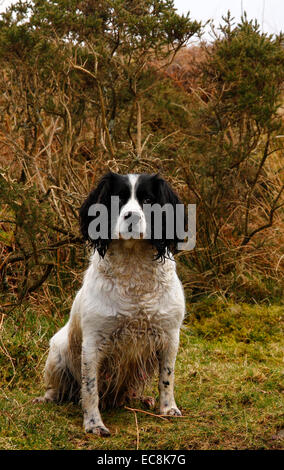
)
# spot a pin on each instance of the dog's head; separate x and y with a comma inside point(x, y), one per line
point(128, 206)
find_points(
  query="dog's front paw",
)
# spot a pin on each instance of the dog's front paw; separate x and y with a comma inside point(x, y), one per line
point(98, 429)
point(173, 411)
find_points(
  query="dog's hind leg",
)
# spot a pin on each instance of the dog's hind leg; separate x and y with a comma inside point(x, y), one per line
point(148, 401)
point(58, 380)
point(52, 375)
point(49, 396)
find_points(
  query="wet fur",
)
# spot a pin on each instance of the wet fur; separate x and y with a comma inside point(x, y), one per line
point(130, 359)
point(124, 324)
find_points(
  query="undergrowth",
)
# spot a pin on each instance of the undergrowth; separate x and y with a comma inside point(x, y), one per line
point(228, 385)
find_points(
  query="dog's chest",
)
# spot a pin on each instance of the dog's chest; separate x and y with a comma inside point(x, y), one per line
point(131, 297)
point(133, 333)
point(137, 287)
point(135, 297)
point(138, 283)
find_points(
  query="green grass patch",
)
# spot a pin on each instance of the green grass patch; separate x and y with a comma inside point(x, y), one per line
point(229, 385)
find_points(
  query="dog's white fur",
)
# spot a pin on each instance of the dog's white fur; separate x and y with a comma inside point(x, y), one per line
point(125, 318)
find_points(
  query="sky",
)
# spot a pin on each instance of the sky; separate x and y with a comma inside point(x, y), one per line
point(269, 13)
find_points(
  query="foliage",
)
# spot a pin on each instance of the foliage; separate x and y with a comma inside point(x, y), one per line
point(213, 319)
point(73, 74)
point(92, 86)
point(87, 87)
point(234, 168)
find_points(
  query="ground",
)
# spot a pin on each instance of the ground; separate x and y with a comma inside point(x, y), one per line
point(229, 386)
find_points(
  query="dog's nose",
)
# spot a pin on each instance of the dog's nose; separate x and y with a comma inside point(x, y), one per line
point(135, 217)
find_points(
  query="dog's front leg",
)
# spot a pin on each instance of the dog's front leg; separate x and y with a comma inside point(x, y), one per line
point(90, 397)
point(166, 383)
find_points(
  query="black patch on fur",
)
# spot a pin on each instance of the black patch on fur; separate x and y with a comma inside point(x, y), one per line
point(111, 184)
point(152, 189)
point(166, 383)
point(90, 385)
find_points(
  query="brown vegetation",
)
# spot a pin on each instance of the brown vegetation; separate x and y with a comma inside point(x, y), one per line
point(209, 121)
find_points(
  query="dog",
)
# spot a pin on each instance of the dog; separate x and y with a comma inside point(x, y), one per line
point(125, 320)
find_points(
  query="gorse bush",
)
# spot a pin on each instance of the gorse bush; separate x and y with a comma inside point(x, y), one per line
point(92, 86)
point(234, 163)
point(73, 77)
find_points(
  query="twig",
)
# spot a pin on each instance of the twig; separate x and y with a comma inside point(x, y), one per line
point(43, 278)
point(146, 412)
point(153, 414)
point(71, 240)
point(251, 189)
point(274, 208)
point(139, 132)
point(102, 103)
point(137, 430)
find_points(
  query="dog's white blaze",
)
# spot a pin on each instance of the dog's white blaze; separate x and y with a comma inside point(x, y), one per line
point(132, 205)
point(133, 180)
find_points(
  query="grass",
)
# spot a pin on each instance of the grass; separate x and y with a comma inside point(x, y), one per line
point(229, 385)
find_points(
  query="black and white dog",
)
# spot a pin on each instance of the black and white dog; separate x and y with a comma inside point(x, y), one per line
point(125, 320)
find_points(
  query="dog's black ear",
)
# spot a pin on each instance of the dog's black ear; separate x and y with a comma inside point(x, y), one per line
point(166, 195)
point(100, 195)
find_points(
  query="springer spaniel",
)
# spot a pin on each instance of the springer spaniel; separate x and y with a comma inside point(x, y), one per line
point(125, 320)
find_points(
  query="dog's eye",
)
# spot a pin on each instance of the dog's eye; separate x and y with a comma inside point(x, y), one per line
point(147, 200)
point(122, 198)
